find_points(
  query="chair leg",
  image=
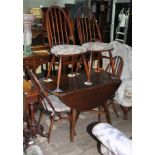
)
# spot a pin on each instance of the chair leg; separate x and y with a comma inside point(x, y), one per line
point(125, 111)
point(99, 114)
point(40, 117)
point(107, 113)
point(50, 67)
point(50, 128)
point(77, 68)
point(114, 108)
point(72, 124)
point(111, 61)
point(99, 63)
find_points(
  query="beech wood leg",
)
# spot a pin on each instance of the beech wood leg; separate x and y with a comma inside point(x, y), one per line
point(50, 67)
point(125, 111)
point(40, 117)
point(72, 126)
point(99, 114)
point(59, 72)
point(89, 66)
point(33, 124)
point(50, 128)
point(111, 61)
point(99, 63)
point(77, 116)
point(114, 107)
point(107, 112)
point(85, 66)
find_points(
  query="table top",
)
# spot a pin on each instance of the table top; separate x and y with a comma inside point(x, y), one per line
point(82, 97)
point(37, 53)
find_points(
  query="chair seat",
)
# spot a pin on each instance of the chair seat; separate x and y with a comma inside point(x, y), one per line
point(67, 50)
point(97, 46)
point(113, 139)
point(58, 105)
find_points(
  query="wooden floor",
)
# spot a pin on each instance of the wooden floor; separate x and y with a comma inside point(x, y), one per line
point(85, 143)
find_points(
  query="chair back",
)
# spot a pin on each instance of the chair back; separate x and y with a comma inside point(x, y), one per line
point(118, 66)
point(88, 29)
point(58, 27)
point(44, 100)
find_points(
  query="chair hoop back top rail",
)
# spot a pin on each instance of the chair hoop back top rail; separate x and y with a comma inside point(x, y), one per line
point(58, 27)
point(88, 29)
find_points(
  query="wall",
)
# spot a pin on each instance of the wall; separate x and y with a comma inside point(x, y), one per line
point(28, 4)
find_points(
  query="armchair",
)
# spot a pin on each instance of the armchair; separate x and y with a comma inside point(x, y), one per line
point(118, 67)
point(124, 94)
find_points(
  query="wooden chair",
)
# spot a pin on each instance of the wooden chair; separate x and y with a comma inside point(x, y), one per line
point(59, 32)
point(50, 105)
point(118, 67)
point(88, 31)
point(58, 27)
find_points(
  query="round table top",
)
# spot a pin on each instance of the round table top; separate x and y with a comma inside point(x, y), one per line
point(97, 46)
point(65, 49)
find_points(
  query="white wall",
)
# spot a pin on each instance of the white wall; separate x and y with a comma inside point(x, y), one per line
point(28, 4)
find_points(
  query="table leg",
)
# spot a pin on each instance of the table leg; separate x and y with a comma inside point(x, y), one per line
point(33, 123)
point(72, 124)
point(107, 112)
point(32, 128)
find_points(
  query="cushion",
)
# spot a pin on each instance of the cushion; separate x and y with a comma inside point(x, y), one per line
point(67, 49)
point(97, 46)
point(57, 104)
point(113, 139)
point(124, 94)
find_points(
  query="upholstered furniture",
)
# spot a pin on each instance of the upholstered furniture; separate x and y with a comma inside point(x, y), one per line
point(123, 96)
point(113, 141)
point(49, 104)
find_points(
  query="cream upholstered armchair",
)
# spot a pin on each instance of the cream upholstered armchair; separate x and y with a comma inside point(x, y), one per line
point(113, 141)
point(123, 95)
